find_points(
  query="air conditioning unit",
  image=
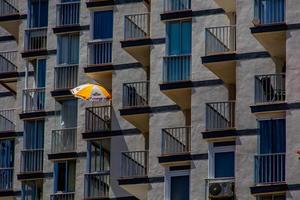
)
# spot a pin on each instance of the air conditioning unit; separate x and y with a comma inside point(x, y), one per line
point(221, 189)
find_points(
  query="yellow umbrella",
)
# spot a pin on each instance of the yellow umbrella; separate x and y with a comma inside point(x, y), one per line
point(91, 92)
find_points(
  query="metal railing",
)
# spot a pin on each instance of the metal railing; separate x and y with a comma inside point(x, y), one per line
point(7, 61)
point(98, 118)
point(135, 94)
point(134, 164)
point(176, 5)
point(32, 160)
point(65, 77)
point(269, 168)
point(36, 39)
point(9, 7)
point(177, 68)
point(68, 13)
point(269, 88)
point(137, 26)
point(99, 52)
point(6, 179)
point(220, 40)
point(176, 140)
point(33, 100)
point(63, 196)
point(96, 185)
point(7, 120)
point(220, 115)
point(269, 12)
point(64, 140)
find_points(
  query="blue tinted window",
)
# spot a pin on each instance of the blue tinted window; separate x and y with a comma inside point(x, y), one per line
point(224, 164)
point(180, 188)
point(68, 49)
point(40, 70)
point(32, 190)
point(6, 154)
point(34, 134)
point(38, 13)
point(179, 37)
point(103, 25)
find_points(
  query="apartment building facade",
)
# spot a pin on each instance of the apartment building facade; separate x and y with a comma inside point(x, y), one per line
point(205, 99)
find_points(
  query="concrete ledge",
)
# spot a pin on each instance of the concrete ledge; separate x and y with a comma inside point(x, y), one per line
point(190, 13)
point(61, 93)
point(14, 17)
point(10, 134)
point(38, 175)
point(135, 110)
point(39, 114)
point(142, 42)
point(28, 54)
point(70, 28)
point(10, 193)
point(9, 75)
point(269, 28)
point(141, 180)
point(182, 158)
point(275, 188)
point(269, 107)
point(112, 133)
point(68, 155)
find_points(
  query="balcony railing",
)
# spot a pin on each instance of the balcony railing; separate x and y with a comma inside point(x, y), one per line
point(176, 5)
point(269, 88)
point(137, 26)
point(36, 39)
point(9, 7)
point(33, 100)
point(7, 61)
point(68, 13)
point(32, 160)
point(176, 140)
point(6, 179)
point(134, 164)
point(63, 196)
point(269, 12)
point(7, 120)
point(96, 185)
point(220, 115)
point(135, 94)
point(66, 77)
point(269, 168)
point(177, 68)
point(98, 118)
point(99, 53)
point(64, 140)
point(220, 40)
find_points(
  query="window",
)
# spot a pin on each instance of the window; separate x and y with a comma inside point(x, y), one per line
point(179, 35)
point(99, 155)
point(269, 12)
point(68, 48)
point(38, 13)
point(272, 136)
point(34, 134)
point(68, 113)
point(39, 67)
point(6, 154)
point(177, 185)
point(221, 160)
point(32, 190)
point(64, 176)
point(272, 197)
point(103, 25)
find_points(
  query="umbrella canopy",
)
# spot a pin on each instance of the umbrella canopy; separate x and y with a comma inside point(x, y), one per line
point(91, 92)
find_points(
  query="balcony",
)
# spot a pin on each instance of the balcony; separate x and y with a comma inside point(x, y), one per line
point(35, 40)
point(9, 70)
point(220, 188)
point(269, 169)
point(33, 100)
point(100, 63)
point(63, 196)
point(137, 40)
point(6, 179)
point(176, 5)
point(228, 5)
point(97, 119)
point(68, 14)
point(32, 161)
point(134, 166)
point(136, 104)
point(176, 141)
point(64, 141)
point(65, 77)
point(96, 185)
point(7, 120)
point(177, 78)
point(220, 47)
point(10, 16)
point(99, 3)
point(269, 26)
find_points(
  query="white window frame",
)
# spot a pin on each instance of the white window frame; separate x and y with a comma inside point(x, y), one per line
point(211, 157)
point(168, 175)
